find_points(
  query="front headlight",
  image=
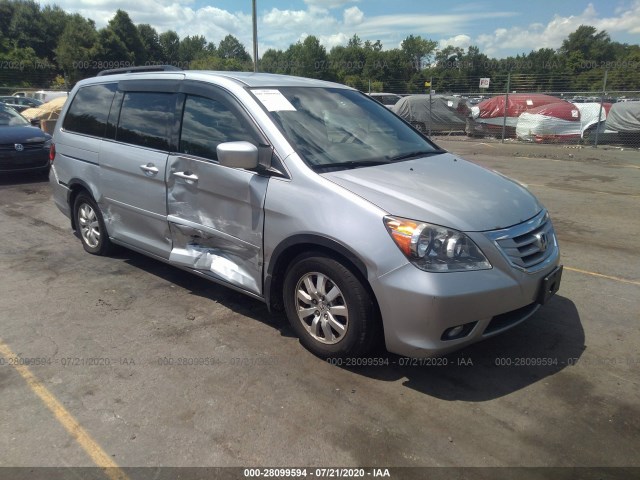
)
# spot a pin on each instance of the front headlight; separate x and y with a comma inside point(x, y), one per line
point(435, 249)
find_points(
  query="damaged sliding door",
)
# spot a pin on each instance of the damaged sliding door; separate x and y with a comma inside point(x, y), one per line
point(216, 220)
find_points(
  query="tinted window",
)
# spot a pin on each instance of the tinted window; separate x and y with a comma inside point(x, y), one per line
point(146, 119)
point(207, 123)
point(90, 108)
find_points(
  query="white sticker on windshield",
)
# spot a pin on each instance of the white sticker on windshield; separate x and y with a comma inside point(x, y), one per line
point(274, 100)
point(529, 102)
point(449, 104)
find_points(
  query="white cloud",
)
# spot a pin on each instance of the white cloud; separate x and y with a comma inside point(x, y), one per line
point(462, 41)
point(330, 41)
point(353, 16)
point(293, 19)
point(217, 24)
point(551, 35)
point(329, 3)
point(279, 28)
point(391, 30)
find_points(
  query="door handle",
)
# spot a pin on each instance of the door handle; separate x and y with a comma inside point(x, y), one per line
point(149, 169)
point(186, 175)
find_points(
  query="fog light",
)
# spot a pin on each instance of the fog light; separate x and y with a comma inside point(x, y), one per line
point(459, 331)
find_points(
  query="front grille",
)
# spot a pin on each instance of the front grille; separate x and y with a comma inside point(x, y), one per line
point(527, 244)
point(11, 147)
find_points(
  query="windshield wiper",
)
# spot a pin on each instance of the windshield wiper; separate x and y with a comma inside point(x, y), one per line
point(417, 153)
point(350, 164)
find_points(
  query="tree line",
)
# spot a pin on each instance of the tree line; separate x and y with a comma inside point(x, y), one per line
point(578, 65)
point(46, 45)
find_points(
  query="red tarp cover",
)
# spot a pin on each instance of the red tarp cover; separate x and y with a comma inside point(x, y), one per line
point(562, 110)
point(518, 103)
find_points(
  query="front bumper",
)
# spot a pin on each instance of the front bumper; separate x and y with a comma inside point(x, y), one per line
point(417, 307)
point(25, 161)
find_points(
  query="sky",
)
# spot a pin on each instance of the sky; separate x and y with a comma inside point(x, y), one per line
point(499, 27)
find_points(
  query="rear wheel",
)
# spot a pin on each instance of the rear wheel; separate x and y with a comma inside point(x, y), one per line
point(328, 307)
point(90, 225)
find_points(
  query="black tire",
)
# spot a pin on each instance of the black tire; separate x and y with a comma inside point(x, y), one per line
point(90, 226)
point(589, 135)
point(361, 323)
point(421, 127)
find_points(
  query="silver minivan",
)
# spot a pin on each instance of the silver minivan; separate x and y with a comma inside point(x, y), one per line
point(309, 196)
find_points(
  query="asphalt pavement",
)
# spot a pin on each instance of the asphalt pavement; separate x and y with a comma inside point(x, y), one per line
point(159, 368)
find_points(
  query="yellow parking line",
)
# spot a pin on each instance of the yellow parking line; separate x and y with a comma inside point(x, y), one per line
point(79, 434)
point(609, 277)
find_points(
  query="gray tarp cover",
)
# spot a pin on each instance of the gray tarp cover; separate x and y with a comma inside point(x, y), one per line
point(444, 111)
point(624, 117)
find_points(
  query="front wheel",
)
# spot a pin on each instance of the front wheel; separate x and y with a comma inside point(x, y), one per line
point(90, 226)
point(328, 307)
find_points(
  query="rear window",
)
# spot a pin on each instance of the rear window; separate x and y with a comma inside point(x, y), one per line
point(89, 110)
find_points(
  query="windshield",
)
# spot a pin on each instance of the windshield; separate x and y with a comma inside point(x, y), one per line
point(9, 117)
point(334, 128)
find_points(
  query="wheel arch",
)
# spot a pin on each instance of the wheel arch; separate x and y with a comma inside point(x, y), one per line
point(76, 187)
point(290, 248)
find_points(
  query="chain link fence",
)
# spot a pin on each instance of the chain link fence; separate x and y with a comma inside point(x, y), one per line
point(522, 108)
point(508, 107)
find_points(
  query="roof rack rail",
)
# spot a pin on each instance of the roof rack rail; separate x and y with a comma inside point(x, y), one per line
point(144, 68)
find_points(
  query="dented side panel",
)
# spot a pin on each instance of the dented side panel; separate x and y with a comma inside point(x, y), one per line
point(216, 218)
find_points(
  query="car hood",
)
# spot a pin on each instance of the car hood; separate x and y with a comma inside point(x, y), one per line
point(442, 189)
point(22, 134)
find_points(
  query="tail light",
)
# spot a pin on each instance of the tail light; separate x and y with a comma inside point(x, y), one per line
point(52, 152)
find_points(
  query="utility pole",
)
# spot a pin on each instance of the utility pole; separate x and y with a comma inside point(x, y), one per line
point(255, 38)
point(430, 103)
point(604, 92)
point(506, 107)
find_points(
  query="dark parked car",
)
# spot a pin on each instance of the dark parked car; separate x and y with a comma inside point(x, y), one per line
point(20, 103)
point(23, 147)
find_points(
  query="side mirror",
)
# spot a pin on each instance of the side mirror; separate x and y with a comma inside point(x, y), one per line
point(35, 122)
point(238, 155)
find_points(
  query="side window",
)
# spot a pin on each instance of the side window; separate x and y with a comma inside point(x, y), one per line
point(207, 123)
point(146, 119)
point(89, 109)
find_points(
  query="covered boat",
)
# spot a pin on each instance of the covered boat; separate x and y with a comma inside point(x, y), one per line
point(592, 118)
point(554, 122)
point(47, 113)
point(446, 113)
point(488, 116)
point(624, 117)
